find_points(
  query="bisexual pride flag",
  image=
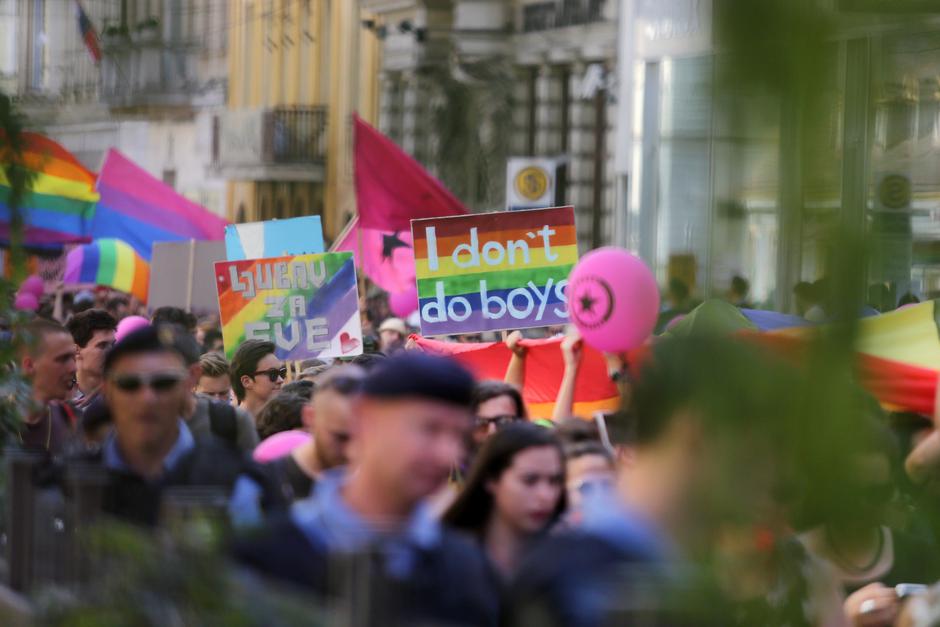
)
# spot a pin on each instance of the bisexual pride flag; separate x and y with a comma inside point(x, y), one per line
point(493, 271)
point(308, 305)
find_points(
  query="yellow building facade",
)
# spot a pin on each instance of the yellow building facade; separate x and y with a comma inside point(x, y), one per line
point(298, 70)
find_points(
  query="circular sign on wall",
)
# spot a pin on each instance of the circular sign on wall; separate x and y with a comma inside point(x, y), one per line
point(532, 182)
point(894, 191)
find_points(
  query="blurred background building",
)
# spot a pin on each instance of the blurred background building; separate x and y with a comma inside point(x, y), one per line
point(245, 105)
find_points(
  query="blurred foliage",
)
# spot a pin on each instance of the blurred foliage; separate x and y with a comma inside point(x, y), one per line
point(142, 579)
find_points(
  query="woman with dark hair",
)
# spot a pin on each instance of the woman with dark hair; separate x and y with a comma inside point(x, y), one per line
point(514, 493)
point(496, 403)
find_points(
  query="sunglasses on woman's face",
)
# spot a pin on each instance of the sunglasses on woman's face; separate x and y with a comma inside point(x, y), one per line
point(157, 381)
point(273, 373)
point(499, 421)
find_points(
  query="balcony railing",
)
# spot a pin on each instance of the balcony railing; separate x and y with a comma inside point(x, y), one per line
point(250, 142)
point(542, 16)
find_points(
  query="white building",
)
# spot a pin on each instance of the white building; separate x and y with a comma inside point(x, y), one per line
point(554, 60)
point(152, 96)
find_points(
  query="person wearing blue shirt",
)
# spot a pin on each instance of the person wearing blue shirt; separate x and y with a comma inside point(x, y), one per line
point(410, 426)
point(150, 447)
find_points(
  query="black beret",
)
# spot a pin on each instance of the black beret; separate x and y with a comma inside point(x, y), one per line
point(413, 374)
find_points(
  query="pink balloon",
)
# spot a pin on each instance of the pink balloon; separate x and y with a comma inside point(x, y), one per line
point(128, 325)
point(403, 303)
point(613, 299)
point(279, 445)
point(26, 301)
point(33, 285)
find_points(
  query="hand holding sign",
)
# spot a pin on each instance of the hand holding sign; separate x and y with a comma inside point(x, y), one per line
point(613, 299)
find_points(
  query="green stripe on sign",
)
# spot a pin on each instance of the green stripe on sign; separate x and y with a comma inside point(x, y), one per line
point(502, 280)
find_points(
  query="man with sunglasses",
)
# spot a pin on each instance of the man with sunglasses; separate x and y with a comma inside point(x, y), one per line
point(150, 447)
point(257, 374)
point(327, 417)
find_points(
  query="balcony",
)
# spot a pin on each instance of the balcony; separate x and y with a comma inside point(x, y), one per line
point(144, 71)
point(280, 143)
point(551, 14)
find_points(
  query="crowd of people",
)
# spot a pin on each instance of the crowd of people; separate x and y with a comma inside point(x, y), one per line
point(727, 490)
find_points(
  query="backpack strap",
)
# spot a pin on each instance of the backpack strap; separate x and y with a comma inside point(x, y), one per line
point(223, 422)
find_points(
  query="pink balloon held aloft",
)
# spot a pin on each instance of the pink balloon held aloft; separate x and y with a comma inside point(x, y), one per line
point(279, 445)
point(33, 285)
point(26, 301)
point(128, 325)
point(613, 299)
point(404, 303)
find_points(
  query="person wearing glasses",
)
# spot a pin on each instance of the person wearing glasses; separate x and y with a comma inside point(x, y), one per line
point(151, 448)
point(515, 492)
point(257, 374)
point(209, 411)
point(495, 404)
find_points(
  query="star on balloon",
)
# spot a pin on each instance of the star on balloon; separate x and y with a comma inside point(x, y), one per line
point(588, 302)
point(390, 242)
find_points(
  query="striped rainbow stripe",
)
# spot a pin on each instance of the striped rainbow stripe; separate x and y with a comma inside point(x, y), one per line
point(109, 262)
point(59, 205)
point(516, 266)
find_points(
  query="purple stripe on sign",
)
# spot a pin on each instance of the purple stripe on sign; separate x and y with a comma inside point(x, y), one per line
point(476, 321)
point(339, 314)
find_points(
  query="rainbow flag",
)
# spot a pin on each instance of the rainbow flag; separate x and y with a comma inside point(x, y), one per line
point(308, 305)
point(59, 205)
point(109, 262)
point(493, 271)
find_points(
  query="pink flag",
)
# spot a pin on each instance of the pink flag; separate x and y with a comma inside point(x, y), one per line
point(392, 189)
point(386, 257)
point(141, 210)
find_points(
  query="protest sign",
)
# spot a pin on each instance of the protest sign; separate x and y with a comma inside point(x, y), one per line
point(493, 271)
point(274, 238)
point(308, 305)
point(181, 275)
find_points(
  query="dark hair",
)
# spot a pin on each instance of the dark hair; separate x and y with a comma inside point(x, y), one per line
point(174, 315)
point(472, 509)
point(414, 374)
point(245, 362)
point(302, 387)
point(678, 288)
point(368, 361)
point(573, 431)
point(344, 380)
point(583, 449)
point(282, 413)
point(489, 389)
point(83, 325)
point(163, 338)
point(908, 299)
point(209, 338)
point(116, 301)
point(740, 285)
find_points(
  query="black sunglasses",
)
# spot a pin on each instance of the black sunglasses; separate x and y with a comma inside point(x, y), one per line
point(273, 373)
point(158, 381)
point(499, 421)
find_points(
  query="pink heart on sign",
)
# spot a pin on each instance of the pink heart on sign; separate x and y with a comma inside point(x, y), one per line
point(347, 343)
